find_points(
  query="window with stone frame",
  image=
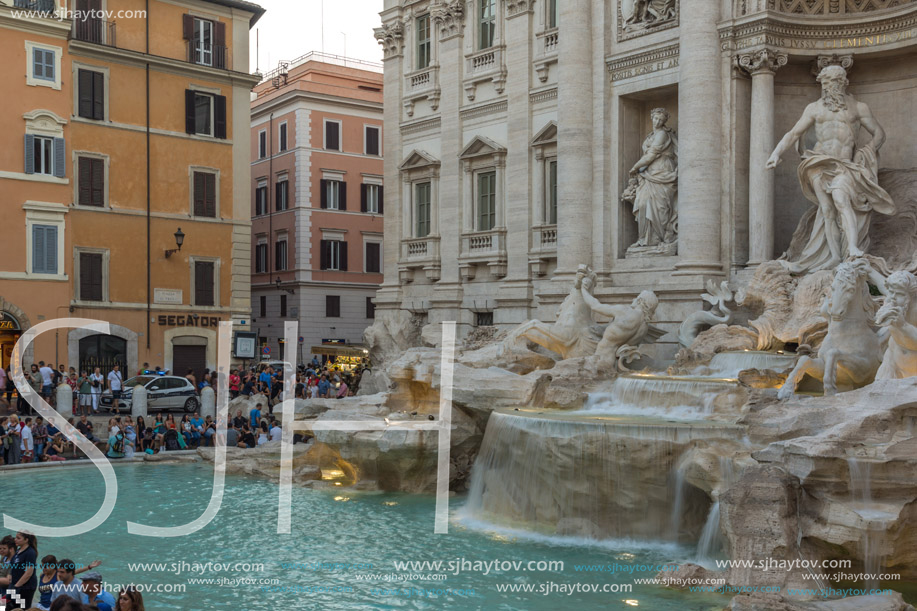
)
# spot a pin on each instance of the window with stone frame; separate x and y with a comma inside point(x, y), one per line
point(487, 23)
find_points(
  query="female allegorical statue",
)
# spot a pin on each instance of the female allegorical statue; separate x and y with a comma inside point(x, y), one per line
point(651, 190)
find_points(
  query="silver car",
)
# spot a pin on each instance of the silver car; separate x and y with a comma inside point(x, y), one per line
point(163, 393)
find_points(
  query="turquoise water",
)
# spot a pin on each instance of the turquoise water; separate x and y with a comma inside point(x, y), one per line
point(337, 537)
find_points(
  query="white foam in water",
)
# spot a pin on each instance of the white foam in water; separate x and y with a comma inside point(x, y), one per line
point(666, 548)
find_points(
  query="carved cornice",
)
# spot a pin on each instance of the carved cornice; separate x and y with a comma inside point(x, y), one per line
point(813, 35)
point(514, 8)
point(761, 61)
point(636, 64)
point(543, 96)
point(391, 37)
point(486, 109)
point(422, 125)
point(449, 16)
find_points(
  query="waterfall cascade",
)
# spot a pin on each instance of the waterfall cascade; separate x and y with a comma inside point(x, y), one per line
point(602, 477)
point(877, 519)
point(728, 364)
point(659, 396)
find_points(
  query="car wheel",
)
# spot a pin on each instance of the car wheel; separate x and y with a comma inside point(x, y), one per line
point(191, 405)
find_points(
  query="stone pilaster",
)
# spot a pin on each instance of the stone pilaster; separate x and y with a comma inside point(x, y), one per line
point(700, 156)
point(761, 65)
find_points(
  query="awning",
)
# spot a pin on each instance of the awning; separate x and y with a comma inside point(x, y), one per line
point(355, 350)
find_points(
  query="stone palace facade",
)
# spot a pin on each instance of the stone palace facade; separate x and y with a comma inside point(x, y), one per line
point(524, 138)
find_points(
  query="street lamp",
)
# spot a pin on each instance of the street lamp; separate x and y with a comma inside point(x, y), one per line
point(179, 240)
point(278, 283)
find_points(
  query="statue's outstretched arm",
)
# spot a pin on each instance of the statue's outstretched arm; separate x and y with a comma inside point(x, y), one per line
point(804, 123)
point(598, 307)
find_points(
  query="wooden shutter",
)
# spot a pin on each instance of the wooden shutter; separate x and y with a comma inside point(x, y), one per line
point(219, 116)
point(90, 276)
point(283, 136)
point(98, 95)
point(85, 181)
point(278, 196)
point(199, 194)
point(85, 94)
point(381, 199)
point(342, 196)
point(187, 26)
point(323, 186)
point(363, 188)
point(219, 44)
point(325, 254)
point(60, 154)
point(372, 257)
point(210, 195)
point(190, 122)
point(203, 283)
point(39, 254)
point(97, 182)
point(343, 252)
point(372, 141)
point(30, 154)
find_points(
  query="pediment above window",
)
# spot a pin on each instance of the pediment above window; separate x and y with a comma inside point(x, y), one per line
point(417, 160)
point(546, 135)
point(481, 146)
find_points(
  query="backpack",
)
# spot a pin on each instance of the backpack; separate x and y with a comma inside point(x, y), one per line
point(171, 441)
point(119, 444)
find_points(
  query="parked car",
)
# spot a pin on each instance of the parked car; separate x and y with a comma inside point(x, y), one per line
point(163, 393)
point(277, 365)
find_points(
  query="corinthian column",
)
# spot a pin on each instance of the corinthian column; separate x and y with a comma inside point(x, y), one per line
point(700, 155)
point(761, 65)
point(575, 137)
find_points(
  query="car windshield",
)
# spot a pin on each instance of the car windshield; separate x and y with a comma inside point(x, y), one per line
point(139, 381)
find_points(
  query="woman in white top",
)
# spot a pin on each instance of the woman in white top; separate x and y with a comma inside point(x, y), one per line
point(96, 383)
point(262, 435)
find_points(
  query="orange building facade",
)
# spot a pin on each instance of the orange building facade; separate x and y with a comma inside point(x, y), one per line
point(146, 113)
point(316, 194)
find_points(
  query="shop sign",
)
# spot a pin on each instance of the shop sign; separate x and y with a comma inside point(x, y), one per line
point(188, 320)
point(8, 322)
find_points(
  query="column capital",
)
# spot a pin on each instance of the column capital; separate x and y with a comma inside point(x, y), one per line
point(822, 61)
point(391, 37)
point(449, 15)
point(761, 61)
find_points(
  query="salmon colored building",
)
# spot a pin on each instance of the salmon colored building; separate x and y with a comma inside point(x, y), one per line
point(316, 200)
point(147, 116)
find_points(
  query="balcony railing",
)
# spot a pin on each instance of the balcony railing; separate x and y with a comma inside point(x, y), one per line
point(46, 7)
point(484, 245)
point(215, 56)
point(420, 251)
point(95, 31)
point(485, 65)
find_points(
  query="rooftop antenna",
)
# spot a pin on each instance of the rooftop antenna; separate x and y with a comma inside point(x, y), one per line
point(323, 26)
point(257, 50)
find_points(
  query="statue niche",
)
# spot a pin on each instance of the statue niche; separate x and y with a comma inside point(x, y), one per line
point(651, 190)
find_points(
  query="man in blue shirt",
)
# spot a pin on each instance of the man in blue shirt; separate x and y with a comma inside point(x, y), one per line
point(93, 594)
point(324, 386)
point(197, 427)
point(255, 417)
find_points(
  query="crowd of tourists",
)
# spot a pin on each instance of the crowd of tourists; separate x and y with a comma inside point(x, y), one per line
point(26, 437)
point(51, 584)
